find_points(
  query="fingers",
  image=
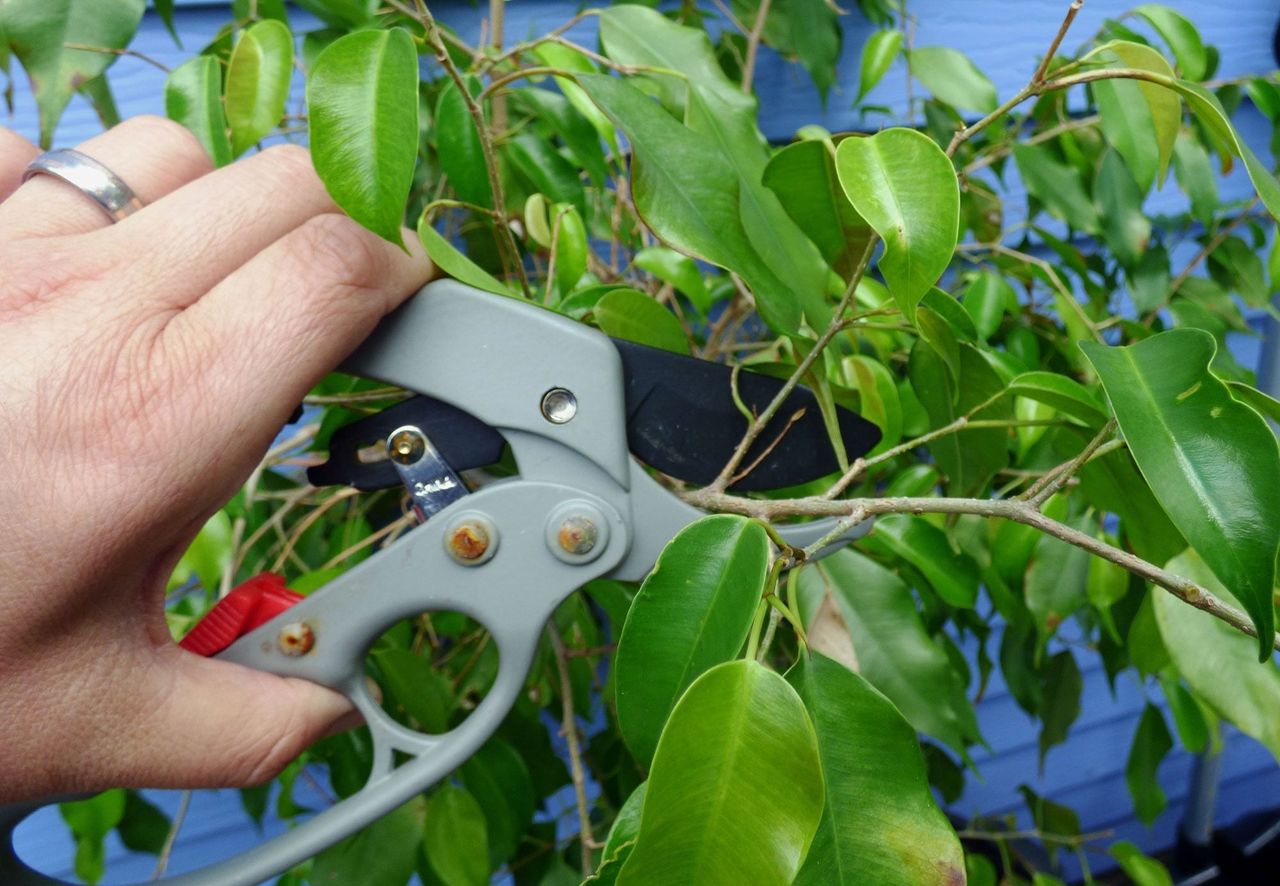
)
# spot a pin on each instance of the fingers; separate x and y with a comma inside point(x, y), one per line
point(219, 724)
point(183, 245)
point(152, 155)
point(267, 333)
point(15, 153)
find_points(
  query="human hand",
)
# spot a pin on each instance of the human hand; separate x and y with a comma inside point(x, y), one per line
point(147, 365)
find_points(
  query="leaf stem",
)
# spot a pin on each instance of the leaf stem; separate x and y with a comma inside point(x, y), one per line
point(569, 726)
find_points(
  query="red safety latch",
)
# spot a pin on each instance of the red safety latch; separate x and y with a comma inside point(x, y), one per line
point(253, 603)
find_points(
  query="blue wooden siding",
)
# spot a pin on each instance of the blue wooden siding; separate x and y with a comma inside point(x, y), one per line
point(1004, 38)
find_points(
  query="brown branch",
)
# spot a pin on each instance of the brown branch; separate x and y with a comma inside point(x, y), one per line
point(753, 45)
point(856, 510)
point(1051, 482)
point(1072, 10)
point(795, 417)
point(569, 726)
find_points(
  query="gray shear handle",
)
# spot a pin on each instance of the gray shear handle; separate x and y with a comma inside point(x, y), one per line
point(513, 595)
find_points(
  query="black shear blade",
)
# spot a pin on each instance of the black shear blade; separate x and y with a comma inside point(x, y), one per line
point(681, 419)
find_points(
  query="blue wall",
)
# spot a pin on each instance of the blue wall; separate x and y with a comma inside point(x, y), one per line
point(1004, 38)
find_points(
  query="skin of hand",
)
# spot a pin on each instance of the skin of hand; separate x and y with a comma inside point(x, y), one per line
point(145, 367)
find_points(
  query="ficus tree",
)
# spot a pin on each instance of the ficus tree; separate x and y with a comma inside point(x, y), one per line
point(1072, 462)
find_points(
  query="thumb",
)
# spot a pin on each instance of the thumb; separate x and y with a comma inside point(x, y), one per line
point(219, 724)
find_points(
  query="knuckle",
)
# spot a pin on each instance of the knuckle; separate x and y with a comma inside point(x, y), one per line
point(339, 253)
point(168, 135)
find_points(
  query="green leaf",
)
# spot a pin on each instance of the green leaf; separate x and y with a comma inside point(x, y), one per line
point(630, 314)
point(1151, 743)
point(1195, 176)
point(953, 78)
point(1188, 717)
point(693, 612)
point(455, 838)
point(1056, 185)
point(458, 147)
point(987, 299)
point(878, 53)
point(878, 400)
point(1057, 577)
point(905, 187)
point(880, 823)
point(1149, 280)
point(679, 270)
point(90, 821)
point(1063, 393)
point(1107, 585)
point(805, 29)
point(362, 96)
point(914, 539)
point(1147, 140)
point(38, 33)
point(258, 77)
point(972, 457)
point(1237, 267)
point(207, 556)
point(448, 259)
point(688, 193)
point(1217, 661)
point(1125, 227)
point(347, 14)
point(803, 177)
point(626, 827)
point(713, 812)
point(1061, 706)
point(1266, 405)
point(895, 655)
point(385, 852)
point(950, 310)
point(412, 684)
point(164, 8)
point(543, 165)
point(498, 778)
point(193, 97)
point(566, 58)
point(143, 827)
point(1142, 870)
point(570, 236)
point(1181, 35)
point(1211, 461)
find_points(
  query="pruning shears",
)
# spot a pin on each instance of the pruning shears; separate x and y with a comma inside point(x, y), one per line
point(585, 417)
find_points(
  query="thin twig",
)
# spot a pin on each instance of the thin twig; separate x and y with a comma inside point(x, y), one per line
point(569, 726)
point(1046, 486)
point(753, 45)
point(1217, 240)
point(738, 477)
point(1072, 10)
point(1039, 138)
point(166, 849)
point(107, 50)
point(856, 510)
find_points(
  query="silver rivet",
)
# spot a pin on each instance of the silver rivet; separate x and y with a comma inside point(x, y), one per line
point(577, 535)
point(406, 445)
point(296, 638)
point(559, 405)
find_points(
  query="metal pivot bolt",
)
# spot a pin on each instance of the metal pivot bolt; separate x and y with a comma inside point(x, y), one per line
point(471, 539)
point(296, 638)
point(559, 405)
point(577, 532)
point(406, 446)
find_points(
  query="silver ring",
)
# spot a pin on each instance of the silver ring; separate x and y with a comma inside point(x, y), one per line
point(90, 177)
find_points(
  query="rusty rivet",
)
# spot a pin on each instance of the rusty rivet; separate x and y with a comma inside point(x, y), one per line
point(577, 535)
point(296, 638)
point(468, 541)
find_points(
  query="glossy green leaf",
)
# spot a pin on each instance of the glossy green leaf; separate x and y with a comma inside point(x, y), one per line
point(570, 236)
point(38, 33)
point(448, 259)
point(630, 314)
point(1061, 706)
point(952, 313)
point(1195, 176)
point(987, 299)
point(1144, 871)
point(90, 821)
point(626, 826)
point(1211, 461)
point(164, 8)
point(878, 53)
point(1237, 267)
point(713, 812)
point(258, 78)
point(1063, 393)
point(693, 612)
point(953, 78)
point(680, 271)
point(1151, 743)
point(970, 458)
point(878, 400)
point(1217, 661)
point(539, 161)
point(1181, 36)
point(1149, 280)
point(1266, 405)
point(1145, 140)
point(1107, 585)
point(688, 193)
point(385, 852)
point(458, 147)
point(905, 187)
point(1125, 226)
point(895, 655)
point(193, 97)
point(362, 96)
point(952, 574)
point(803, 177)
point(937, 334)
point(1057, 186)
point(348, 14)
point(1056, 581)
point(880, 823)
point(498, 778)
point(415, 688)
point(455, 838)
point(566, 58)
point(1188, 716)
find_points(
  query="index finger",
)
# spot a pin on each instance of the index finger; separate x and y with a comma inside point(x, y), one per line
point(15, 153)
